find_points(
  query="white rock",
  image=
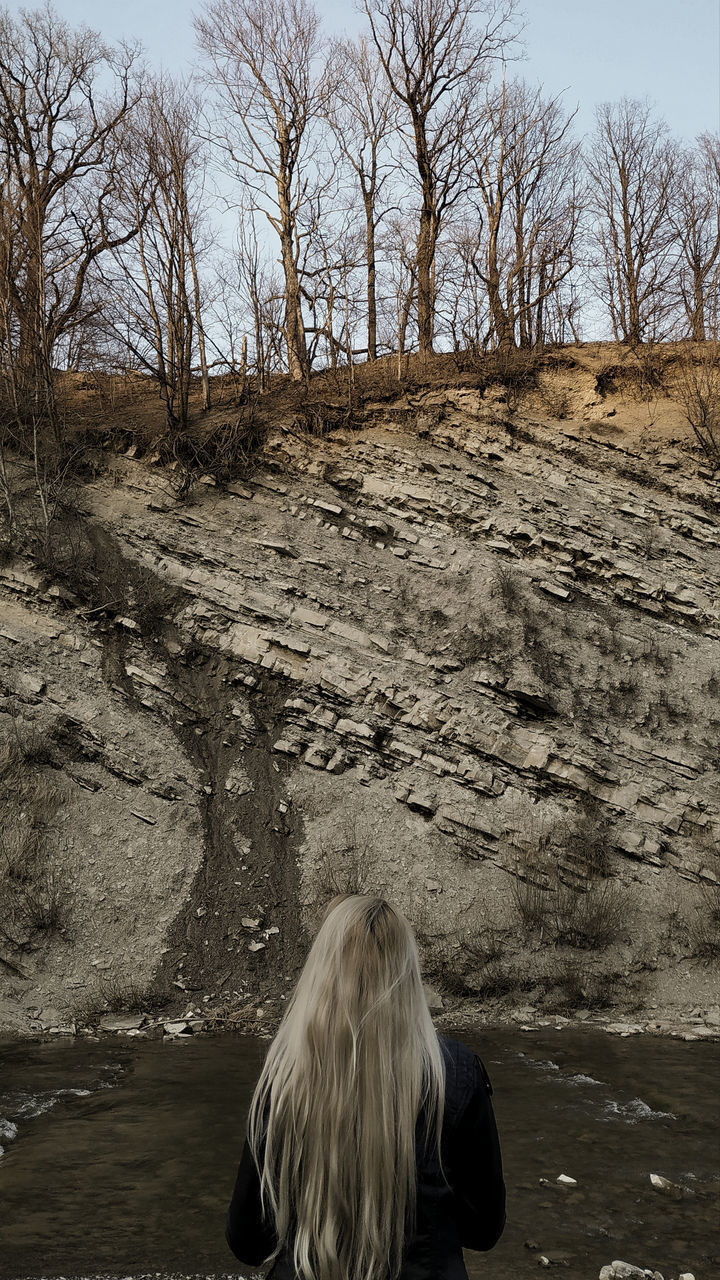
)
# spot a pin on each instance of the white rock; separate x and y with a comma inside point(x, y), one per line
point(619, 1270)
point(664, 1184)
point(686, 1275)
point(566, 1180)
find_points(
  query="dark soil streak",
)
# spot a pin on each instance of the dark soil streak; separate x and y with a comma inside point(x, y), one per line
point(209, 945)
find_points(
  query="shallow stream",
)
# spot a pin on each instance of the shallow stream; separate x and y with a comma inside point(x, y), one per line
point(119, 1156)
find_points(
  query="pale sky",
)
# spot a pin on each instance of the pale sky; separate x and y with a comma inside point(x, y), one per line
point(595, 50)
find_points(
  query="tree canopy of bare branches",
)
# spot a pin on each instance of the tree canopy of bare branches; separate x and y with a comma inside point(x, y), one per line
point(363, 116)
point(436, 54)
point(58, 187)
point(526, 169)
point(268, 67)
point(393, 192)
point(155, 284)
point(695, 216)
point(632, 166)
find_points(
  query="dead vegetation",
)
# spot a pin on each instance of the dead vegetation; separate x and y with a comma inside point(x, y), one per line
point(703, 926)
point(35, 876)
point(346, 862)
point(118, 995)
point(697, 387)
point(562, 889)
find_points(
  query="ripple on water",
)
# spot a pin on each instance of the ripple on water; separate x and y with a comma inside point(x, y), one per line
point(22, 1105)
point(633, 1111)
point(539, 1064)
point(629, 1112)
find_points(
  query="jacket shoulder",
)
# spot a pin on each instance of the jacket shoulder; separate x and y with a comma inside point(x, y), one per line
point(463, 1073)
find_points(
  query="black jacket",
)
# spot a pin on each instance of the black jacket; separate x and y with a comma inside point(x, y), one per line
point(463, 1209)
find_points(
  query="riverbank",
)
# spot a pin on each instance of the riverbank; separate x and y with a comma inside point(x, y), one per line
point(684, 1022)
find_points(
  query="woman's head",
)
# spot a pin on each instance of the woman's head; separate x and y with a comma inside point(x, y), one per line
point(336, 1105)
point(362, 965)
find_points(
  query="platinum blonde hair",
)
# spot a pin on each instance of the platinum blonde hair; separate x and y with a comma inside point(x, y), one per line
point(332, 1120)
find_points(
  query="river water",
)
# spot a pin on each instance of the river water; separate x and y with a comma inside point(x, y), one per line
point(120, 1155)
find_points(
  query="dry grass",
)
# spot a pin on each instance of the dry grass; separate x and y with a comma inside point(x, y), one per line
point(25, 745)
point(697, 386)
point(556, 402)
point(589, 919)
point(120, 995)
point(578, 986)
point(561, 888)
point(531, 898)
point(506, 586)
point(704, 924)
point(347, 862)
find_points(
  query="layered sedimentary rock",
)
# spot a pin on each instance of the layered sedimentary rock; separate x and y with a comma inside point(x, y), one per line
point(407, 651)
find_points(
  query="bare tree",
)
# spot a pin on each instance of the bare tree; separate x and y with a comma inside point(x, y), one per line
point(695, 215)
point(436, 53)
point(265, 55)
point(332, 254)
point(58, 188)
point(156, 281)
point(525, 165)
point(467, 310)
point(399, 250)
point(633, 165)
point(363, 117)
point(256, 288)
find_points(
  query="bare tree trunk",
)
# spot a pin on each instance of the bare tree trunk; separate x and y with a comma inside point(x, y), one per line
point(371, 272)
point(424, 263)
point(294, 329)
point(204, 374)
point(435, 54)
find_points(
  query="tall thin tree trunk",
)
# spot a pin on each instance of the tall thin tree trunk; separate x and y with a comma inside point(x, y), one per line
point(371, 268)
point(698, 312)
point(424, 263)
point(205, 376)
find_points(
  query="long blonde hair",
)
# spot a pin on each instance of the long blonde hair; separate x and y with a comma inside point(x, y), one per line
point(332, 1120)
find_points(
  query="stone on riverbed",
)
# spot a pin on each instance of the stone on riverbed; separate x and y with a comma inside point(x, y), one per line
point(128, 1022)
point(669, 1188)
point(8, 1131)
point(619, 1270)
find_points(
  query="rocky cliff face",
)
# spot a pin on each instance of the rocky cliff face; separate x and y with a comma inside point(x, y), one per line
point(464, 656)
